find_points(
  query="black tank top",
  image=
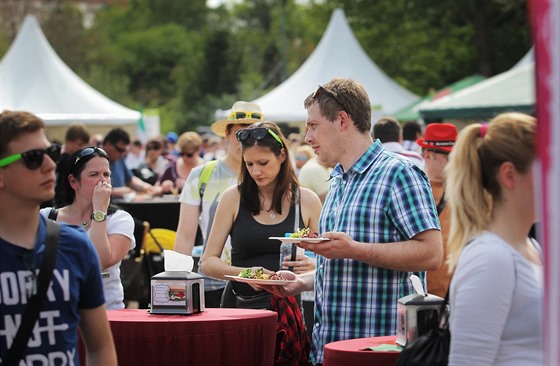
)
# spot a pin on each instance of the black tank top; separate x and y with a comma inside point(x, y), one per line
point(251, 246)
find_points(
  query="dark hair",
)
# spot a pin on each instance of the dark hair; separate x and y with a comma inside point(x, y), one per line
point(77, 132)
point(13, 124)
point(410, 130)
point(117, 135)
point(287, 180)
point(154, 144)
point(65, 194)
point(350, 96)
point(387, 129)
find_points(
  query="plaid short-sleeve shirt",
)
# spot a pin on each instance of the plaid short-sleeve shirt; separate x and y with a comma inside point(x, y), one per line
point(381, 199)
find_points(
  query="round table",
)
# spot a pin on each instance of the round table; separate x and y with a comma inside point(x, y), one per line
point(214, 337)
point(351, 352)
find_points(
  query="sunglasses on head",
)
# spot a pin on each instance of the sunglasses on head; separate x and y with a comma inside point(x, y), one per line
point(33, 159)
point(329, 94)
point(90, 151)
point(242, 115)
point(257, 133)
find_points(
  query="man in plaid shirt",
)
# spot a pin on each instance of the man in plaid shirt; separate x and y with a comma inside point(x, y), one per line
point(380, 218)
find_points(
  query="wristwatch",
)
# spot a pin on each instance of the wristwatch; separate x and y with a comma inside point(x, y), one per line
point(98, 216)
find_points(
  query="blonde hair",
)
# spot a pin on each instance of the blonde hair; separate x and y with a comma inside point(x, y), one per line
point(306, 150)
point(471, 184)
point(189, 140)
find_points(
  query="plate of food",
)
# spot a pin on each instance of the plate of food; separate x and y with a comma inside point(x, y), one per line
point(305, 234)
point(258, 277)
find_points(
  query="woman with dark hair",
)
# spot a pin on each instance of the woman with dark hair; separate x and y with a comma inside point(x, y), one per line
point(85, 197)
point(264, 204)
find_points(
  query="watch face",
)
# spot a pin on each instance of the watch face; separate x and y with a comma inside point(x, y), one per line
point(99, 215)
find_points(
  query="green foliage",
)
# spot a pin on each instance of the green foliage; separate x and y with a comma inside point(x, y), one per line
point(188, 60)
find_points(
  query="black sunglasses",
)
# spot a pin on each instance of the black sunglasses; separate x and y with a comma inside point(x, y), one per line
point(257, 133)
point(439, 152)
point(33, 159)
point(187, 154)
point(120, 150)
point(90, 151)
point(328, 93)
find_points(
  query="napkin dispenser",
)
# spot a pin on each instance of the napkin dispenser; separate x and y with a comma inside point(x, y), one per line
point(177, 292)
point(417, 314)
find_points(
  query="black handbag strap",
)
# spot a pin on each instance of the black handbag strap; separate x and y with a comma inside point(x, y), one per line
point(296, 226)
point(441, 204)
point(37, 300)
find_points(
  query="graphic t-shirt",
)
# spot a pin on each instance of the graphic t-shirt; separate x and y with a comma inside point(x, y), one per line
point(76, 284)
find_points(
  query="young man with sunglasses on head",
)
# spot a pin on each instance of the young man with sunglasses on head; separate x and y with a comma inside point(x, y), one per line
point(379, 217)
point(199, 207)
point(125, 185)
point(75, 296)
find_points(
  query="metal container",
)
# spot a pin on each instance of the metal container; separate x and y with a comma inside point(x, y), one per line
point(417, 314)
point(177, 292)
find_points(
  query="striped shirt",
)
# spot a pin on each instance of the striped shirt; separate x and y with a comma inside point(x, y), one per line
point(380, 199)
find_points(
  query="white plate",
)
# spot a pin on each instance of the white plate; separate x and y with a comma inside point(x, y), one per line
point(298, 240)
point(255, 281)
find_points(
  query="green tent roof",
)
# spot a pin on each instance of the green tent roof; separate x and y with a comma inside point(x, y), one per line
point(513, 90)
point(411, 113)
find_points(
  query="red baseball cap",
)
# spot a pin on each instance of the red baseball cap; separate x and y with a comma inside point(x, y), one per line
point(439, 136)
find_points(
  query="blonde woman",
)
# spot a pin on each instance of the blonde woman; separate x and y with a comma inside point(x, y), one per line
point(189, 157)
point(497, 289)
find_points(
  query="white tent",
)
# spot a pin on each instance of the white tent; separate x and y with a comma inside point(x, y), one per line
point(512, 90)
point(338, 54)
point(34, 78)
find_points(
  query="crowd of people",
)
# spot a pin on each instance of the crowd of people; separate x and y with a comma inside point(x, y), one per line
point(451, 207)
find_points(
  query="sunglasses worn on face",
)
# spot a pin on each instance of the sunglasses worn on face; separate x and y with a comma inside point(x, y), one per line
point(439, 152)
point(119, 149)
point(329, 94)
point(90, 151)
point(187, 154)
point(258, 133)
point(33, 159)
point(242, 115)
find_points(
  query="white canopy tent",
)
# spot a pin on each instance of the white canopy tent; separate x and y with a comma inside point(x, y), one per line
point(338, 54)
point(34, 78)
point(512, 90)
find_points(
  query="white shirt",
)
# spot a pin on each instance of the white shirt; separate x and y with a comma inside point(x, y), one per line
point(397, 148)
point(496, 306)
point(118, 223)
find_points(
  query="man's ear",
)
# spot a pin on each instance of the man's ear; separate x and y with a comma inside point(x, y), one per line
point(344, 119)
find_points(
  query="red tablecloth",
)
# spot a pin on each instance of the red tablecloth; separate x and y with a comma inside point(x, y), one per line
point(215, 337)
point(350, 352)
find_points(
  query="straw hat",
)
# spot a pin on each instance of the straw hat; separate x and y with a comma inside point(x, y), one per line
point(242, 113)
point(439, 136)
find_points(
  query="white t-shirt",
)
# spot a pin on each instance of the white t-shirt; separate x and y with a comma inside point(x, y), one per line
point(315, 176)
point(222, 177)
point(118, 223)
point(496, 306)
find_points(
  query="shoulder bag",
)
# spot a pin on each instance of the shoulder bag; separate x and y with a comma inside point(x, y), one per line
point(37, 300)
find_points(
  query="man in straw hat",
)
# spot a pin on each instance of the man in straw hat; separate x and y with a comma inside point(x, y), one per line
point(436, 145)
point(224, 174)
